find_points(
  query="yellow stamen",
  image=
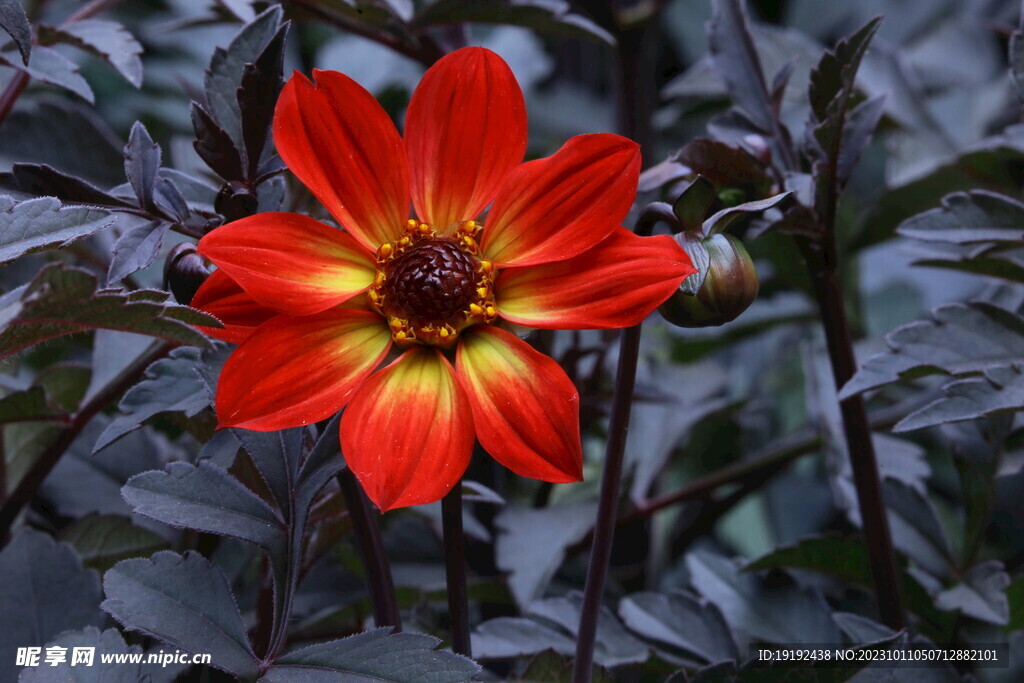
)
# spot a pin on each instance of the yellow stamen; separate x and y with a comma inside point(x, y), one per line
point(483, 292)
point(476, 309)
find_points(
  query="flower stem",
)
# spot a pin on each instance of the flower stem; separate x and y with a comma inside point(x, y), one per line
point(607, 511)
point(455, 570)
point(366, 527)
point(884, 569)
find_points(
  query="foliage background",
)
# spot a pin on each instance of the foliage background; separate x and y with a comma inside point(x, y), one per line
point(740, 522)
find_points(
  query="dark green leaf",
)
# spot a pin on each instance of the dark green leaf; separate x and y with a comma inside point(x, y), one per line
point(61, 301)
point(969, 218)
point(916, 529)
point(1015, 599)
point(43, 223)
point(38, 180)
point(30, 404)
point(515, 637)
point(15, 22)
point(840, 556)
point(106, 39)
point(260, 85)
point(207, 498)
point(374, 655)
point(104, 540)
point(981, 593)
point(136, 249)
point(553, 16)
point(735, 59)
point(49, 66)
point(323, 462)
point(833, 79)
point(276, 455)
point(680, 620)
point(45, 591)
point(184, 601)
point(860, 126)
point(997, 391)
point(691, 207)
point(723, 164)
point(108, 642)
point(721, 221)
point(531, 544)
point(614, 645)
point(141, 163)
point(214, 145)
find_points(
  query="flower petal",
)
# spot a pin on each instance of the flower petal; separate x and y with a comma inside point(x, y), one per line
point(294, 371)
point(555, 208)
point(408, 432)
point(464, 132)
point(290, 262)
point(221, 297)
point(525, 408)
point(343, 146)
point(616, 284)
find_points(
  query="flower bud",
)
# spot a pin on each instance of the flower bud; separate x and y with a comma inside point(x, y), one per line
point(184, 272)
point(730, 284)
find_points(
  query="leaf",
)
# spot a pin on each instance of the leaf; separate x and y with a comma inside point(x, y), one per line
point(224, 75)
point(323, 462)
point(723, 164)
point(840, 556)
point(185, 601)
point(780, 614)
point(961, 339)
point(261, 83)
point(515, 637)
point(45, 591)
point(214, 145)
point(981, 594)
point(108, 40)
point(680, 620)
point(276, 455)
point(721, 221)
point(141, 163)
point(1016, 56)
point(974, 217)
point(553, 16)
point(692, 204)
point(49, 66)
point(998, 391)
point(43, 223)
point(61, 301)
point(15, 22)
point(735, 59)
point(860, 126)
point(30, 404)
point(373, 655)
point(531, 544)
point(832, 80)
point(104, 540)
point(136, 249)
point(205, 497)
point(916, 530)
point(38, 180)
point(614, 645)
point(108, 643)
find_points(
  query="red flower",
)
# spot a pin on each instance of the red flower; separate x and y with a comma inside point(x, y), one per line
point(317, 309)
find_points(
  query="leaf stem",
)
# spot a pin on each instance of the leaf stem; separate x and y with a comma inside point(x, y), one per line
point(366, 525)
point(607, 511)
point(33, 478)
point(884, 569)
point(455, 569)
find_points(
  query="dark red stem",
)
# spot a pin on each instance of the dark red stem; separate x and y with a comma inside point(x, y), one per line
point(455, 570)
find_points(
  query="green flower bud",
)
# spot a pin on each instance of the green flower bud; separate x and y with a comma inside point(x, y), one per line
point(730, 283)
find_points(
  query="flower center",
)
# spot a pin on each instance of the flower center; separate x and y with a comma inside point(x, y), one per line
point(431, 287)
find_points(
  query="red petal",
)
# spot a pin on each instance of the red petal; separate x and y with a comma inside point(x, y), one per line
point(294, 371)
point(555, 208)
point(221, 297)
point(616, 284)
point(289, 262)
point(525, 408)
point(408, 433)
point(343, 146)
point(465, 131)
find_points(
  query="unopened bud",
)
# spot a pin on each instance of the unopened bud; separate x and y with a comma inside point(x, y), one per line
point(730, 286)
point(184, 272)
point(235, 200)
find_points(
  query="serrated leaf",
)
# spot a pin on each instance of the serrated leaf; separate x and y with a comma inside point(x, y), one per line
point(43, 223)
point(108, 642)
point(531, 544)
point(260, 85)
point(45, 591)
point(185, 601)
point(840, 556)
point(49, 66)
point(834, 75)
point(106, 39)
point(62, 301)
point(104, 540)
point(41, 180)
point(555, 16)
point(276, 455)
point(680, 620)
point(860, 126)
point(373, 655)
point(323, 462)
point(14, 21)
point(514, 637)
point(981, 594)
point(136, 249)
point(207, 498)
point(974, 217)
point(997, 391)
point(735, 59)
point(960, 339)
point(614, 645)
point(170, 385)
point(214, 145)
point(141, 163)
point(722, 164)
